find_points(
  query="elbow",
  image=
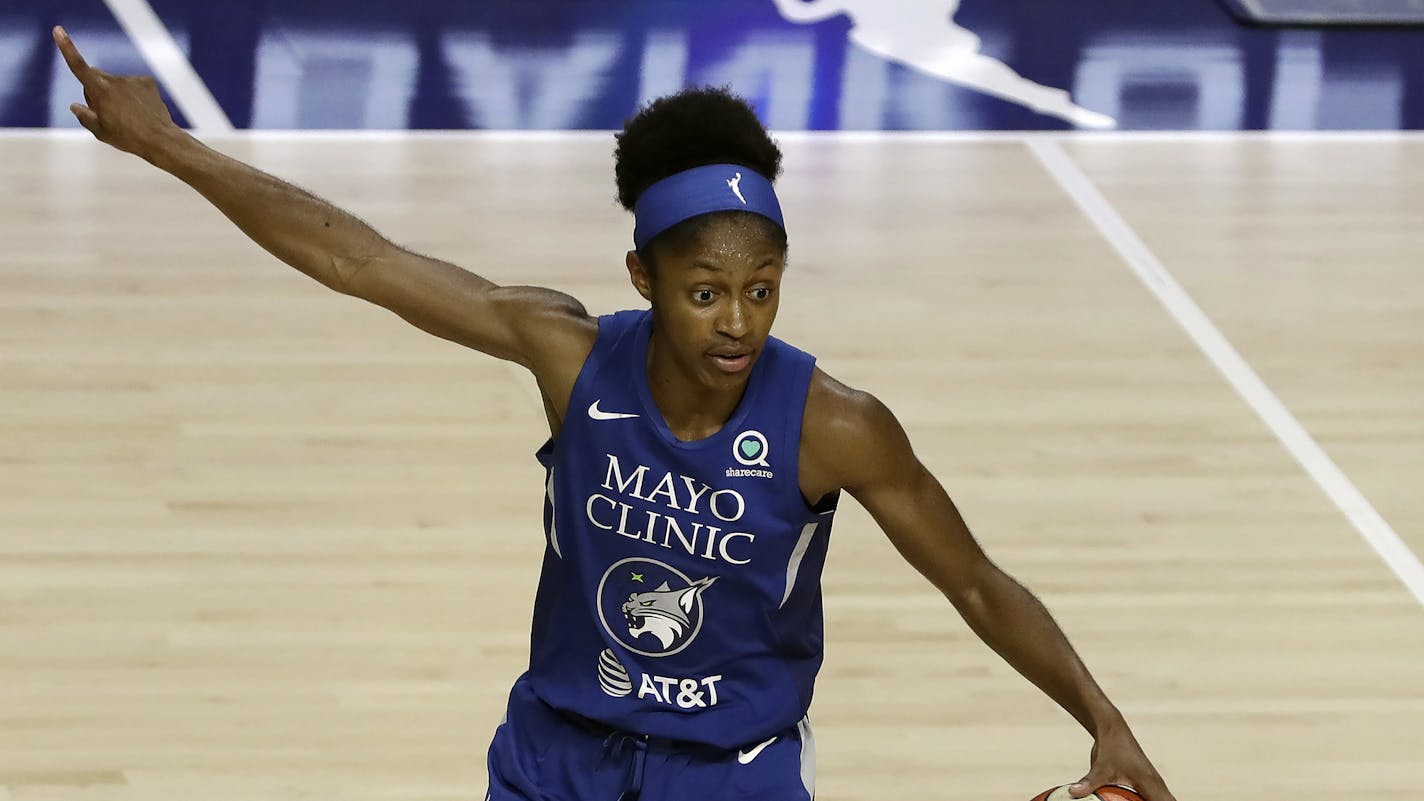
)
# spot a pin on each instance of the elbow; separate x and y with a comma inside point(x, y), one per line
point(342, 272)
point(352, 274)
point(972, 592)
point(971, 602)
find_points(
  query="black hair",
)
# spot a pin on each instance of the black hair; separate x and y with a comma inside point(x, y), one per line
point(693, 128)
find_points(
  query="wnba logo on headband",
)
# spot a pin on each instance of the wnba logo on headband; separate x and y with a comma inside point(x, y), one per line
point(702, 190)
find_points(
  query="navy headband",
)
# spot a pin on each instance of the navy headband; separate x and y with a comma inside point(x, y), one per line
point(702, 190)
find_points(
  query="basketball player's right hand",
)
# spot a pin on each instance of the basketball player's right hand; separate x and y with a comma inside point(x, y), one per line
point(123, 111)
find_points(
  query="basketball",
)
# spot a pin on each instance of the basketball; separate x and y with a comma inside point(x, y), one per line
point(1111, 792)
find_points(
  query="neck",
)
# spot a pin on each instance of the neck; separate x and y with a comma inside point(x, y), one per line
point(691, 409)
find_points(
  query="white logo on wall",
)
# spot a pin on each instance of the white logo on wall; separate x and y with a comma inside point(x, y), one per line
point(650, 608)
point(922, 35)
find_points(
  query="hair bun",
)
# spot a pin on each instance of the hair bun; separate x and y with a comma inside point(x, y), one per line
point(693, 128)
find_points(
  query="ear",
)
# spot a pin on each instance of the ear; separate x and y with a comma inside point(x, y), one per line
point(687, 597)
point(639, 276)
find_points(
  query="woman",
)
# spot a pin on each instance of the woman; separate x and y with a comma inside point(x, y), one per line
point(694, 465)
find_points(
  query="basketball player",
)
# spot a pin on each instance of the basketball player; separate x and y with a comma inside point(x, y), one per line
point(693, 469)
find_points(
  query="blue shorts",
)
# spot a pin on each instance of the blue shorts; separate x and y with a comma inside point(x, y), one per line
point(542, 754)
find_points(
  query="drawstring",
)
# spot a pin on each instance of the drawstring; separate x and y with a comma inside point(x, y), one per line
point(614, 746)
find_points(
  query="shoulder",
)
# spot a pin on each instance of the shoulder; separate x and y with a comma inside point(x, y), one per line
point(834, 409)
point(556, 334)
point(555, 328)
point(549, 306)
point(849, 438)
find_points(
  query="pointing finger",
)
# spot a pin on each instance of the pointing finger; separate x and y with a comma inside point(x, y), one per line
point(76, 62)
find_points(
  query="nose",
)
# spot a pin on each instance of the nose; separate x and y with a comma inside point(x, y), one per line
point(733, 321)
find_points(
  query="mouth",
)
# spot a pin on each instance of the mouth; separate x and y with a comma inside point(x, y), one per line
point(732, 361)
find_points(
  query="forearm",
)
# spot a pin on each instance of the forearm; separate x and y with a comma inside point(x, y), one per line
point(297, 227)
point(1013, 622)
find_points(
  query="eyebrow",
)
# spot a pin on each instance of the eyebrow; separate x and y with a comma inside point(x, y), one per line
point(709, 266)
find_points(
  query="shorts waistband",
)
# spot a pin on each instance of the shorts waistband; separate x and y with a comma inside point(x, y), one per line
point(606, 733)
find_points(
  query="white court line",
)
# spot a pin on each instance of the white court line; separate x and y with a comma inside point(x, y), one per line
point(170, 65)
point(1337, 486)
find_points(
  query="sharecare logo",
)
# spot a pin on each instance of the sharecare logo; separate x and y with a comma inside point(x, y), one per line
point(750, 448)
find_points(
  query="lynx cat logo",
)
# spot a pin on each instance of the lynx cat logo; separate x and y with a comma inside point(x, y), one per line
point(651, 608)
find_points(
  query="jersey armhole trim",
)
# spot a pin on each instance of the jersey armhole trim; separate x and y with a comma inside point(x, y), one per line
point(610, 328)
point(792, 445)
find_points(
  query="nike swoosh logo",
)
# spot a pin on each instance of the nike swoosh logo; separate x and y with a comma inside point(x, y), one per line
point(746, 757)
point(598, 414)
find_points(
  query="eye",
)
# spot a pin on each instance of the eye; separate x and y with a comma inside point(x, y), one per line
point(647, 603)
point(762, 293)
point(702, 295)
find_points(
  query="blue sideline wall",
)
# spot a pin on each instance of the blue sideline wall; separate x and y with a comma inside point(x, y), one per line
point(587, 64)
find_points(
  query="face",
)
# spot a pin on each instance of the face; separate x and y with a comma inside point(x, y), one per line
point(714, 299)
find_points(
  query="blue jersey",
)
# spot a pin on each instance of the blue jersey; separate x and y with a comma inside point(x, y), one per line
point(680, 593)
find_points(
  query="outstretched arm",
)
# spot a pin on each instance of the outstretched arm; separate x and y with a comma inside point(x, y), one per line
point(542, 329)
point(809, 10)
point(872, 459)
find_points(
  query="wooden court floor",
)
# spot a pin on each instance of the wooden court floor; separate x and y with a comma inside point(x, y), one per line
point(261, 541)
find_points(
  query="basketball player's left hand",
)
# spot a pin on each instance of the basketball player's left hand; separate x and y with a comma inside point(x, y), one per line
point(123, 111)
point(1118, 759)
